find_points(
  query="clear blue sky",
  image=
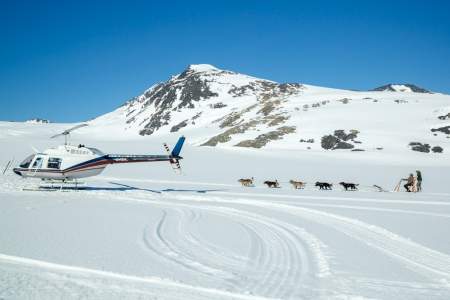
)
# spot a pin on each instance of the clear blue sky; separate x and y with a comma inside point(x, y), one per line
point(74, 60)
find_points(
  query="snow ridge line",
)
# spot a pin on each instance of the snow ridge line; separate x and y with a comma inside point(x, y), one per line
point(150, 280)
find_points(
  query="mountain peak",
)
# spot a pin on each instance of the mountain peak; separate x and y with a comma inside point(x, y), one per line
point(202, 68)
point(401, 87)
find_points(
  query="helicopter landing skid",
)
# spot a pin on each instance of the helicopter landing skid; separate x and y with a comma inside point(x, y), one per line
point(49, 185)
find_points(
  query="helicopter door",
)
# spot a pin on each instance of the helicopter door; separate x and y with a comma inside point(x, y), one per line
point(37, 163)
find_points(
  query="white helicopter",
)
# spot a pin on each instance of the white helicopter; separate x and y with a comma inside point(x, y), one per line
point(67, 163)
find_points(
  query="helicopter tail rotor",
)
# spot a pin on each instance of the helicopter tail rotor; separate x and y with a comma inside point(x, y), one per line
point(174, 155)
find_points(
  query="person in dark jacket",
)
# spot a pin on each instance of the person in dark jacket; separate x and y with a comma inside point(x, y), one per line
point(419, 180)
point(409, 182)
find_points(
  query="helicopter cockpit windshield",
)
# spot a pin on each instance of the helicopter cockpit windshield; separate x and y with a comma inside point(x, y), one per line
point(27, 161)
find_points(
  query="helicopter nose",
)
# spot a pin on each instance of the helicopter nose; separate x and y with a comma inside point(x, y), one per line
point(15, 170)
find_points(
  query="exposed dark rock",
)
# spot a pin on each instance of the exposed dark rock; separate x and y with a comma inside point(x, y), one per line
point(157, 120)
point(179, 126)
point(307, 141)
point(445, 129)
point(131, 120)
point(344, 136)
point(218, 105)
point(329, 141)
point(343, 145)
point(269, 107)
point(261, 140)
point(358, 150)
point(437, 149)
point(339, 140)
point(340, 134)
point(187, 88)
point(276, 120)
point(242, 90)
point(444, 117)
point(226, 136)
point(130, 112)
point(230, 120)
point(345, 100)
point(415, 146)
point(289, 88)
point(414, 88)
point(267, 85)
point(264, 86)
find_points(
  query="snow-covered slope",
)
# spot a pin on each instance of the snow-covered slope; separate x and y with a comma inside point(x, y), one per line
point(140, 231)
point(214, 107)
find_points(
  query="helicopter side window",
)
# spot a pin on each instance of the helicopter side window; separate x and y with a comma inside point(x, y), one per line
point(27, 161)
point(37, 163)
point(54, 163)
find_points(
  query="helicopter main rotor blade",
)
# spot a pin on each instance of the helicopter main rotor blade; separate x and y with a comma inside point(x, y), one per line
point(35, 149)
point(67, 131)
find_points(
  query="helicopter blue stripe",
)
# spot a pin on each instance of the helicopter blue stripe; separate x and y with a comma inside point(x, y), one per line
point(105, 157)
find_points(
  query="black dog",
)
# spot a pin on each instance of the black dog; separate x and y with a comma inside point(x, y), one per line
point(272, 184)
point(324, 185)
point(351, 186)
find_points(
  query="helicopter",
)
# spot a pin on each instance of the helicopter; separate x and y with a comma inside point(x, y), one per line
point(67, 162)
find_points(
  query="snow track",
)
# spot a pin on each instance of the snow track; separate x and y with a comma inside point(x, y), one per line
point(276, 265)
point(419, 258)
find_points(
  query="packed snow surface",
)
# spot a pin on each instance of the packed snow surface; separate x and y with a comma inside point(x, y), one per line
point(140, 231)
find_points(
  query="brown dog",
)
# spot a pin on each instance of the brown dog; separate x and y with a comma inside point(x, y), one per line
point(246, 181)
point(297, 184)
point(272, 184)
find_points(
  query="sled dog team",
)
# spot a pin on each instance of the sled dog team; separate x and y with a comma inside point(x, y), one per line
point(247, 182)
point(413, 184)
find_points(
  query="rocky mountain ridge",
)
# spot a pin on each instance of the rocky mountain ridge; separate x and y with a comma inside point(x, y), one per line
point(223, 108)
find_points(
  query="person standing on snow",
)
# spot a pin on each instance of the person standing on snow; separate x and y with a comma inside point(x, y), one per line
point(419, 180)
point(409, 182)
